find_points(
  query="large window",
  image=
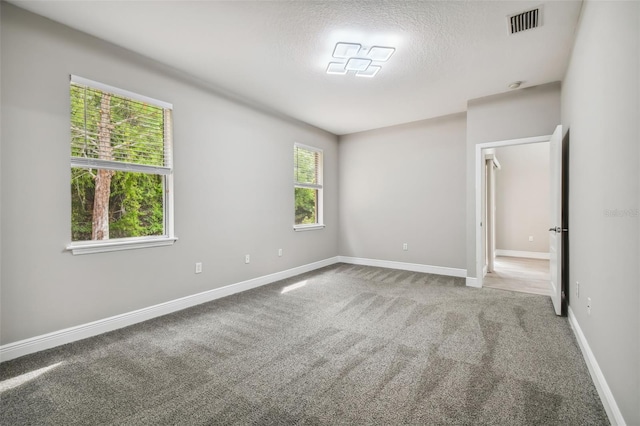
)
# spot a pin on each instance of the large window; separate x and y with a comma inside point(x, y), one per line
point(307, 187)
point(121, 171)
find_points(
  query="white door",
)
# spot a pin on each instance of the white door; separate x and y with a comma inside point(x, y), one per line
point(555, 232)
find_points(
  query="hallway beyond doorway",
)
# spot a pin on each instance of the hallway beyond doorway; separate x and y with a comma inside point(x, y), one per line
point(519, 274)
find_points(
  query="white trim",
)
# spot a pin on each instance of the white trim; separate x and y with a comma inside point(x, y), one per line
point(473, 282)
point(479, 165)
point(117, 91)
point(96, 163)
point(606, 396)
point(492, 157)
point(413, 267)
point(308, 147)
point(311, 227)
point(526, 254)
point(72, 334)
point(103, 246)
point(306, 185)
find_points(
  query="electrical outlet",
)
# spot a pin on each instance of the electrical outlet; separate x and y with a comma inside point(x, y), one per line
point(198, 267)
point(588, 306)
point(247, 258)
point(578, 289)
point(530, 238)
point(405, 246)
point(279, 252)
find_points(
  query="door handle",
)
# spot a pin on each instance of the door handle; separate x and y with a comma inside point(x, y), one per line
point(558, 229)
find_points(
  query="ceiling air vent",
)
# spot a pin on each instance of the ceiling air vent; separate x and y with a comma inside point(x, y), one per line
point(525, 20)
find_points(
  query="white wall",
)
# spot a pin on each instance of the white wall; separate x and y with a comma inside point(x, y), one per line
point(401, 184)
point(405, 184)
point(600, 108)
point(523, 113)
point(233, 187)
point(522, 198)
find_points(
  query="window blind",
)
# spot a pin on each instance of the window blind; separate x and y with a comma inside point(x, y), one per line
point(111, 130)
point(307, 167)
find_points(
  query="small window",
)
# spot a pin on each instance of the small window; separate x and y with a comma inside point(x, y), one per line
point(121, 169)
point(307, 187)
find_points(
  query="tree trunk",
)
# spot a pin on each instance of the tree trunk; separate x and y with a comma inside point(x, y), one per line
point(100, 220)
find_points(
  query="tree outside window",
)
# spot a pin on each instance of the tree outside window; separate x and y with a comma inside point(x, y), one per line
point(120, 164)
point(307, 185)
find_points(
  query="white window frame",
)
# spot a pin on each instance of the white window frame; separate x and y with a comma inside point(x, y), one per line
point(318, 186)
point(117, 244)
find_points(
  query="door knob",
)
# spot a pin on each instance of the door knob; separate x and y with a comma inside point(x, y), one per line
point(558, 229)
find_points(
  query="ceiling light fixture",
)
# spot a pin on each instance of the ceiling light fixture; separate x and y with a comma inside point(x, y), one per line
point(515, 85)
point(361, 61)
point(369, 72)
point(357, 64)
point(336, 68)
point(346, 50)
point(380, 54)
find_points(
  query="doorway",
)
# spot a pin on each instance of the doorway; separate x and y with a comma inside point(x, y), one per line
point(480, 207)
point(516, 216)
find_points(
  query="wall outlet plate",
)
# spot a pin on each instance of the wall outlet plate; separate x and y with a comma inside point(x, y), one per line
point(198, 267)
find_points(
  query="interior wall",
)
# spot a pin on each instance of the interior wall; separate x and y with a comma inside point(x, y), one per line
point(233, 186)
point(600, 108)
point(528, 112)
point(522, 198)
point(404, 184)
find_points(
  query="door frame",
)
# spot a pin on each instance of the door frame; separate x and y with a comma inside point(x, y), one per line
point(479, 168)
point(489, 209)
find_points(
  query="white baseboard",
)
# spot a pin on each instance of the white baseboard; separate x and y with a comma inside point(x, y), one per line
point(527, 254)
point(610, 405)
point(473, 282)
point(413, 267)
point(72, 334)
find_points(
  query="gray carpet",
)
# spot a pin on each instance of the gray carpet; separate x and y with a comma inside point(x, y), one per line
point(354, 345)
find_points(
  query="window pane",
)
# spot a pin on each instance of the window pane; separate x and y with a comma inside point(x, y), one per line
point(305, 165)
point(120, 163)
point(134, 209)
point(306, 205)
point(114, 128)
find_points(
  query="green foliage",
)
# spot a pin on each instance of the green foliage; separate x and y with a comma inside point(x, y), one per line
point(137, 136)
point(306, 164)
point(82, 191)
point(306, 202)
point(135, 205)
point(137, 128)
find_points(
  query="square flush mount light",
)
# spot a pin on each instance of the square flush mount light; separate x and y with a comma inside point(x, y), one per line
point(371, 71)
point(380, 54)
point(346, 50)
point(357, 64)
point(353, 58)
point(336, 68)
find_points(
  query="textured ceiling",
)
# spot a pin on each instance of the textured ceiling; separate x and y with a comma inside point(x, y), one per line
point(275, 53)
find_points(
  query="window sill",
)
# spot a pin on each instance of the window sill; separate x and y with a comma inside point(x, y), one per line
point(311, 227)
point(90, 247)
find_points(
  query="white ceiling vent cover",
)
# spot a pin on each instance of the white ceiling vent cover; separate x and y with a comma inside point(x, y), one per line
point(525, 21)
